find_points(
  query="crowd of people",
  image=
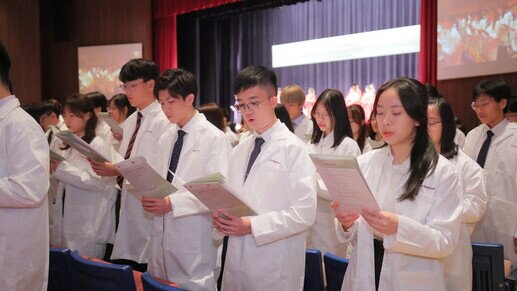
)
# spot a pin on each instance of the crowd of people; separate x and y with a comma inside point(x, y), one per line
point(435, 195)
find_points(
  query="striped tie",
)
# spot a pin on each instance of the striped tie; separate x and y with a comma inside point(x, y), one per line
point(120, 179)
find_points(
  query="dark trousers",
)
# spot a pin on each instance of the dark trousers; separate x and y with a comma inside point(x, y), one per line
point(378, 256)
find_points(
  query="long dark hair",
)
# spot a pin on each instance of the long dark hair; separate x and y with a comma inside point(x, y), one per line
point(213, 114)
point(81, 105)
point(334, 104)
point(424, 156)
point(282, 114)
point(120, 101)
point(448, 148)
point(359, 117)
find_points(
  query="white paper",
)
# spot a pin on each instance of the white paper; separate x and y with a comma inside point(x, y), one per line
point(111, 123)
point(144, 180)
point(81, 146)
point(56, 157)
point(214, 194)
point(345, 182)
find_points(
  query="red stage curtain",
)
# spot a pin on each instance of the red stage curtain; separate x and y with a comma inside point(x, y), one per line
point(164, 26)
point(427, 69)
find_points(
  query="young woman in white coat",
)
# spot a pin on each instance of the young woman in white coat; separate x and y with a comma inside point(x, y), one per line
point(357, 119)
point(84, 213)
point(119, 109)
point(419, 196)
point(332, 135)
point(442, 129)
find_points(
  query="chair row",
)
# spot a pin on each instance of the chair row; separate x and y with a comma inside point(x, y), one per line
point(487, 266)
point(70, 271)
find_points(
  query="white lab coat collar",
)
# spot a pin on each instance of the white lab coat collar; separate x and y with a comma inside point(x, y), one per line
point(149, 109)
point(268, 134)
point(7, 105)
point(498, 129)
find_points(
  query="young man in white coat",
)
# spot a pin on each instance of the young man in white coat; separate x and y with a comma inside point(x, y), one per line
point(293, 98)
point(270, 171)
point(142, 129)
point(182, 249)
point(24, 181)
point(493, 144)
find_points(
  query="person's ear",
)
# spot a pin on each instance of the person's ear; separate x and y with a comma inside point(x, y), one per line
point(150, 85)
point(273, 101)
point(502, 103)
point(190, 99)
point(87, 116)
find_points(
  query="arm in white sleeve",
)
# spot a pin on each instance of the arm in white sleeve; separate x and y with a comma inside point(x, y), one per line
point(438, 236)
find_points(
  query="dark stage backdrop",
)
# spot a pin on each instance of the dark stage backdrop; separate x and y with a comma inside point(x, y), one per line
point(215, 46)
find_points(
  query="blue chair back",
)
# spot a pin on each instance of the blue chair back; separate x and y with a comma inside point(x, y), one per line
point(61, 275)
point(313, 271)
point(487, 267)
point(102, 276)
point(335, 268)
point(151, 284)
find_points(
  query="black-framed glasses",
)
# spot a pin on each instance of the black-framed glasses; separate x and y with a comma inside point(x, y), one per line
point(249, 106)
point(127, 87)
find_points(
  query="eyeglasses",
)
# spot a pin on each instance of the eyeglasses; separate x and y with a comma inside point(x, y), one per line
point(433, 123)
point(250, 106)
point(477, 105)
point(320, 115)
point(127, 87)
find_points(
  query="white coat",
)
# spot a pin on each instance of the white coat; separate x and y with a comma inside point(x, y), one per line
point(428, 229)
point(24, 168)
point(55, 144)
point(135, 224)
point(281, 188)
point(86, 222)
point(103, 131)
point(322, 234)
point(304, 129)
point(458, 266)
point(459, 138)
point(182, 249)
point(500, 222)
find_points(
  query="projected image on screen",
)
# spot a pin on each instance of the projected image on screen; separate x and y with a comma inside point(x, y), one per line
point(476, 37)
point(99, 66)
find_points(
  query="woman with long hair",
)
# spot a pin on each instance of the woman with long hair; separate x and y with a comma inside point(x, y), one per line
point(332, 135)
point(400, 246)
point(357, 120)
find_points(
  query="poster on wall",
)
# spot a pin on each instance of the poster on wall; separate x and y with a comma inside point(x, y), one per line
point(99, 66)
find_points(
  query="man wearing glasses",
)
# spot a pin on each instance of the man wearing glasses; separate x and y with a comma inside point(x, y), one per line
point(493, 144)
point(141, 132)
point(272, 172)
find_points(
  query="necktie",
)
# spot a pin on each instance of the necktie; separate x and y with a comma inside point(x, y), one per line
point(254, 154)
point(49, 138)
point(120, 179)
point(176, 154)
point(484, 149)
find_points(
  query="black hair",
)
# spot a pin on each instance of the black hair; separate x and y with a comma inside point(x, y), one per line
point(48, 107)
point(334, 103)
point(120, 101)
point(81, 105)
point(213, 114)
point(512, 104)
point(5, 67)
point(424, 157)
point(33, 110)
point(495, 88)
point(99, 100)
point(448, 148)
point(282, 114)
point(432, 91)
point(139, 69)
point(179, 82)
point(359, 117)
point(256, 76)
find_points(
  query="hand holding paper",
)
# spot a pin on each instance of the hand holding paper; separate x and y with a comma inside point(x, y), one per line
point(230, 224)
point(145, 181)
point(345, 182)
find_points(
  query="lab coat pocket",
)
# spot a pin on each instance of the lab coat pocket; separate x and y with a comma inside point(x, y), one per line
point(266, 263)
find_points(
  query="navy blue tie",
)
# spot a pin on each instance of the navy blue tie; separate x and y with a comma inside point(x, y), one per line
point(483, 152)
point(176, 155)
point(254, 154)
